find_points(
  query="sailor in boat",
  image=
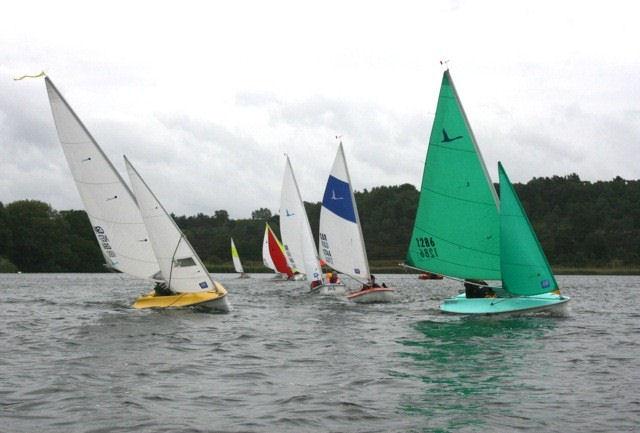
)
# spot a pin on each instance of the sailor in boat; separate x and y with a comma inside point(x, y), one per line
point(315, 283)
point(162, 289)
point(372, 284)
point(478, 289)
point(332, 277)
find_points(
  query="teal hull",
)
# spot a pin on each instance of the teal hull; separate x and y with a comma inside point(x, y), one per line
point(546, 302)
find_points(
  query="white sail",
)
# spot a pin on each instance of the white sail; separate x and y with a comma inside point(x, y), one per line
point(237, 265)
point(266, 254)
point(341, 241)
point(180, 265)
point(297, 237)
point(107, 199)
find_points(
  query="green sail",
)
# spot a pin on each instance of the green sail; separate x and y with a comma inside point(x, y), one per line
point(457, 227)
point(525, 270)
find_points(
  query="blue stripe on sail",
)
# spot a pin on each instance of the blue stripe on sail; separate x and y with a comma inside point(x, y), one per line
point(337, 198)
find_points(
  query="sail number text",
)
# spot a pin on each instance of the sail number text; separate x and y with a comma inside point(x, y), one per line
point(427, 247)
point(326, 251)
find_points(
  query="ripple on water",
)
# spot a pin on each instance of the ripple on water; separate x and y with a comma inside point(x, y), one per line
point(76, 357)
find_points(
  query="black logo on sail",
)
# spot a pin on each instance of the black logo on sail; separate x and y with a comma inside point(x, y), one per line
point(446, 138)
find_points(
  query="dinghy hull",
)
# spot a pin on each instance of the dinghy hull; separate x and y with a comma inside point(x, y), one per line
point(215, 300)
point(547, 303)
point(370, 296)
point(330, 289)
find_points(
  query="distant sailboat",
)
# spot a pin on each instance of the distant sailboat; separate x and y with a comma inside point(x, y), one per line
point(237, 265)
point(464, 232)
point(297, 237)
point(341, 241)
point(273, 255)
point(185, 273)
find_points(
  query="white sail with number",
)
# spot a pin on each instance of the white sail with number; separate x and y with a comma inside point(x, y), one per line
point(108, 201)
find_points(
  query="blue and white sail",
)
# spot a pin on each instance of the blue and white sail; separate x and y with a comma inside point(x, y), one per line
point(341, 241)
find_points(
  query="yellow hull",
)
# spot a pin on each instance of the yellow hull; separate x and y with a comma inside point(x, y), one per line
point(212, 299)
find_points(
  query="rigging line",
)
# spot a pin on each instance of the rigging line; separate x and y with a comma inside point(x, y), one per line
point(173, 257)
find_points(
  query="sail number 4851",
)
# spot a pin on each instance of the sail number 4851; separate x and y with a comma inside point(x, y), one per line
point(427, 247)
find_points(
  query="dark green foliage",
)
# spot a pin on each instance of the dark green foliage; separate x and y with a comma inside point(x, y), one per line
point(263, 214)
point(579, 224)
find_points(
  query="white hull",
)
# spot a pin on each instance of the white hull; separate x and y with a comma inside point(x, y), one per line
point(371, 296)
point(219, 305)
point(330, 289)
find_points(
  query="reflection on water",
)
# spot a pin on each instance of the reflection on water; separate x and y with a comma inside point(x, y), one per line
point(465, 365)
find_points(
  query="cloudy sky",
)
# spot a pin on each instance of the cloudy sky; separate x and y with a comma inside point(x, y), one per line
point(205, 98)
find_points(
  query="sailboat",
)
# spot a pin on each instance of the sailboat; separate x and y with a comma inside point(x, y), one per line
point(109, 202)
point(273, 255)
point(237, 264)
point(297, 236)
point(463, 231)
point(341, 240)
point(186, 276)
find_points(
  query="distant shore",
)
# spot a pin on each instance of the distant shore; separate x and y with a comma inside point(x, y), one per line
point(393, 267)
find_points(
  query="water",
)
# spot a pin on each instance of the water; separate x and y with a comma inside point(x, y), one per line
point(75, 357)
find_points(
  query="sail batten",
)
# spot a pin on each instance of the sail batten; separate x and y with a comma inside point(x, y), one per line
point(117, 224)
point(457, 227)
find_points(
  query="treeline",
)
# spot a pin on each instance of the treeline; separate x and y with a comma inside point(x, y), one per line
point(580, 224)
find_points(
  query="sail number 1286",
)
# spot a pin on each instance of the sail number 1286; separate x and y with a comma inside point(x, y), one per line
point(427, 247)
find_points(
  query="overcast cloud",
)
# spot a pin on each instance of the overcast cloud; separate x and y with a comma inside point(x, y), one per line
point(206, 98)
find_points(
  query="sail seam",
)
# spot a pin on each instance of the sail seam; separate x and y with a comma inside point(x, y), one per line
point(458, 198)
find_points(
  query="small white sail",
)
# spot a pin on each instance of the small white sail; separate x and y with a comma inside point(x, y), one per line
point(295, 229)
point(237, 265)
point(341, 241)
point(266, 254)
point(109, 203)
point(180, 265)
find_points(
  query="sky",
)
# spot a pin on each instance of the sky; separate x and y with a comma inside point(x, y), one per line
point(205, 98)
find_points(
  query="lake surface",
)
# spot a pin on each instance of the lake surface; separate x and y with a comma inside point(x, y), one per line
point(75, 357)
